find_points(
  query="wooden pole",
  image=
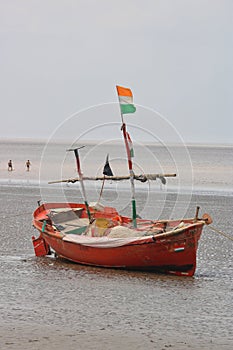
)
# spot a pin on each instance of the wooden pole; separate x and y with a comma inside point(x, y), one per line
point(81, 180)
point(131, 173)
point(141, 178)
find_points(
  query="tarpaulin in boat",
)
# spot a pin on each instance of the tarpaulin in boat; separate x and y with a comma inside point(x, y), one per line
point(103, 242)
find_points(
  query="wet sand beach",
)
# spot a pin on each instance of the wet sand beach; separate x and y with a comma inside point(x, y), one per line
point(48, 303)
point(28, 337)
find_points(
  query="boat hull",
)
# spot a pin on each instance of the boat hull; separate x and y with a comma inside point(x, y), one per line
point(173, 253)
point(174, 256)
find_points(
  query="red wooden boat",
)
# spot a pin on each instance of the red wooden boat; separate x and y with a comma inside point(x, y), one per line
point(99, 236)
point(163, 246)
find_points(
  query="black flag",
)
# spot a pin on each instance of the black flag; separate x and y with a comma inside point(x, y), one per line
point(107, 170)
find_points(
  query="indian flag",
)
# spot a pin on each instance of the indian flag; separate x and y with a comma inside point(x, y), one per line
point(126, 100)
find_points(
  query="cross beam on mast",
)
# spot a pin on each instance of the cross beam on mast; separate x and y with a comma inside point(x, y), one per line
point(141, 178)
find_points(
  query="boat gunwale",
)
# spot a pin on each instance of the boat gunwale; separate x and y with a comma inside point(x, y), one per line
point(142, 239)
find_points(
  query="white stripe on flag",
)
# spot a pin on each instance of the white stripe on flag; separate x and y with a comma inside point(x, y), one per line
point(126, 99)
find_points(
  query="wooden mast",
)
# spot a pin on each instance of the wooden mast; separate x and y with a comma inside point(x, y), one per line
point(81, 180)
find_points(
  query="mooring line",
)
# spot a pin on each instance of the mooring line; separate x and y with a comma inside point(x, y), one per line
point(220, 232)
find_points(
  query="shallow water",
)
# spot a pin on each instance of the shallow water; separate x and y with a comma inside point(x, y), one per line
point(198, 168)
point(174, 310)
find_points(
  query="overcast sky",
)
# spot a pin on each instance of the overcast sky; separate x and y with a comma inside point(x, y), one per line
point(58, 57)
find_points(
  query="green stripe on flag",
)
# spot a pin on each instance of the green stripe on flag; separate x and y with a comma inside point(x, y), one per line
point(127, 108)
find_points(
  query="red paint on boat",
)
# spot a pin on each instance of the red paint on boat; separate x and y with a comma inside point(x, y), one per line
point(41, 247)
point(173, 251)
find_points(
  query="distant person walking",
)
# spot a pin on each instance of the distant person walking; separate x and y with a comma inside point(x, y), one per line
point(28, 164)
point(10, 165)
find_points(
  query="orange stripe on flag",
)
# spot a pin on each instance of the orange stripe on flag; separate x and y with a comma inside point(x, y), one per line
point(122, 91)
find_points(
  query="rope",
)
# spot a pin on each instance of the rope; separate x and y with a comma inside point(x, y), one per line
point(221, 233)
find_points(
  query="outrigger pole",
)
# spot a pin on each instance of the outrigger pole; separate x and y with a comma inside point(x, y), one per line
point(81, 179)
point(125, 100)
